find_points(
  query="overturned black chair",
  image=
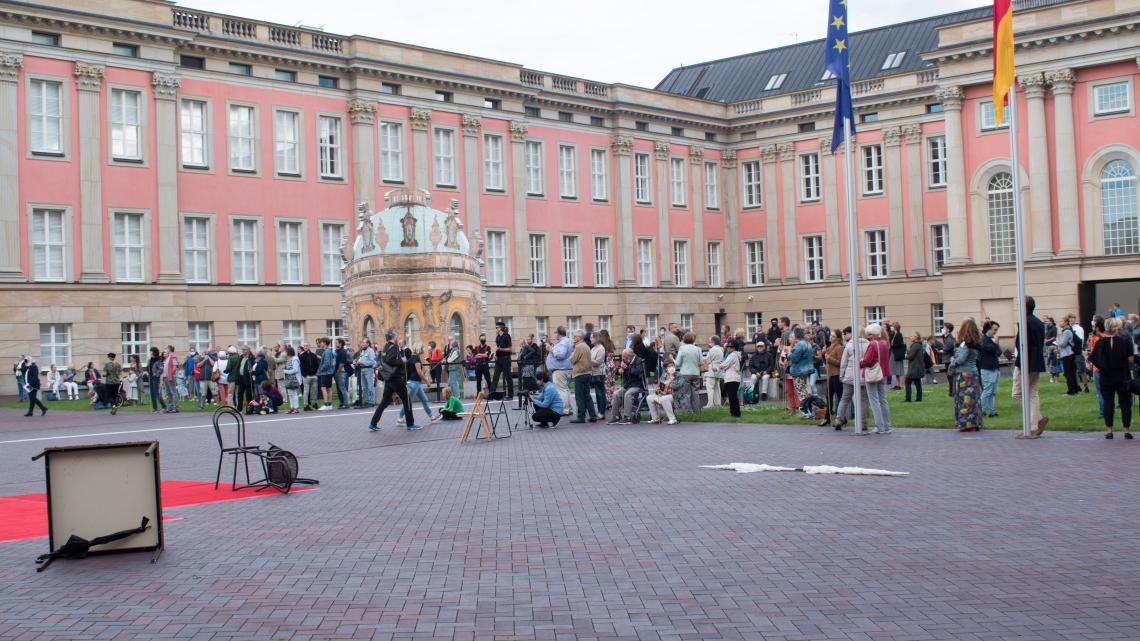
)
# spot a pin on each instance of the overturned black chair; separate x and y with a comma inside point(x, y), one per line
point(278, 467)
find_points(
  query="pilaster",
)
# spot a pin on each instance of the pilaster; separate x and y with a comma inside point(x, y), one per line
point(10, 64)
point(664, 242)
point(471, 157)
point(166, 169)
point(771, 203)
point(728, 166)
point(892, 139)
point(951, 99)
point(1069, 230)
point(787, 153)
point(362, 116)
point(830, 209)
point(697, 202)
point(915, 178)
point(421, 148)
point(1040, 206)
point(89, 81)
point(622, 147)
point(518, 131)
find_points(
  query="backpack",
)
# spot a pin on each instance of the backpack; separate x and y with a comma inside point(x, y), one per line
point(927, 363)
point(386, 369)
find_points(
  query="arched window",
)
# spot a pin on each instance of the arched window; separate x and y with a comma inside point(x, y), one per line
point(1118, 206)
point(370, 329)
point(411, 330)
point(457, 328)
point(999, 196)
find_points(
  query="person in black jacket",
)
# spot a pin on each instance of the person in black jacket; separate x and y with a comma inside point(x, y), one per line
point(31, 384)
point(988, 366)
point(503, 352)
point(310, 363)
point(898, 355)
point(393, 367)
point(762, 365)
point(946, 356)
point(1113, 356)
point(1031, 365)
point(530, 360)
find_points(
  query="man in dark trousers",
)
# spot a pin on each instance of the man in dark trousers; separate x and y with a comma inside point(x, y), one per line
point(392, 367)
point(1035, 364)
point(503, 354)
point(482, 364)
point(31, 385)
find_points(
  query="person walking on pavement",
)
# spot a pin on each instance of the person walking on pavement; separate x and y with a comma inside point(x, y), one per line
point(392, 366)
point(1034, 362)
point(31, 386)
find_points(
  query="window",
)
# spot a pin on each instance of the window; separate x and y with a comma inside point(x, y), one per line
point(328, 82)
point(285, 75)
point(334, 329)
point(876, 253)
point(1118, 206)
point(569, 261)
point(293, 332)
point(135, 339)
point(753, 322)
point(331, 235)
point(645, 275)
point(710, 136)
point(813, 316)
point(45, 117)
point(198, 336)
point(936, 150)
point(641, 178)
point(597, 121)
point(752, 192)
point(492, 103)
point(538, 260)
point(713, 258)
point(196, 250)
point(567, 172)
point(127, 250)
point(540, 325)
point(754, 268)
point(241, 127)
point(869, 117)
point(601, 262)
point(686, 322)
point(532, 112)
point(391, 152)
point(328, 147)
point(248, 334)
point(805, 127)
point(496, 258)
point(289, 253)
point(573, 323)
point(641, 125)
point(244, 244)
point(872, 169)
point(813, 259)
point(681, 263)
point(534, 168)
point(934, 108)
point(126, 125)
point(827, 75)
point(894, 60)
point(874, 314)
point(677, 182)
point(55, 345)
point(192, 62)
point(443, 96)
point(650, 324)
point(677, 131)
point(287, 142)
point(1111, 98)
point(492, 162)
point(712, 194)
point(809, 177)
point(47, 245)
point(605, 322)
point(565, 116)
point(999, 196)
point(505, 320)
point(939, 246)
point(988, 116)
point(937, 318)
point(390, 88)
point(443, 157)
point(193, 130)
point(776, 81)
point(241, 69)
point(48, 39)
point(598, 169)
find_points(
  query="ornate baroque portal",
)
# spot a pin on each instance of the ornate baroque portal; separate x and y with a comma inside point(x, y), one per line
point(411, 270)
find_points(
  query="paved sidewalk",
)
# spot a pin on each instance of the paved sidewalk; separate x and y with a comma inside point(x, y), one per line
point(595, 532)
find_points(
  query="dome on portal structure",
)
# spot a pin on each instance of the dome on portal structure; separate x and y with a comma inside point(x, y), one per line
point(409, 225)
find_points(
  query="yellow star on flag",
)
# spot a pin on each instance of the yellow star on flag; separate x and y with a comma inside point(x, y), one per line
point(838, 22)
point(840, 46)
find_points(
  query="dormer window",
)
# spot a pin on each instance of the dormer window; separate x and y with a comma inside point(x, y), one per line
point(776, 81)
point(894, 60)
point(827, 75)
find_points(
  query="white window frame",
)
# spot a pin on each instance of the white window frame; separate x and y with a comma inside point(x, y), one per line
point(809, 177)
point(288, 150)
point(599, 175)
point(197, 257)
point(814, 263)
point(678, 183)
point(293, 332)
point(686, 323)
point(1000, 233)
point(751, 179)
point(874, 314)
point(712, 186)
point(813, 316)
point(52, 244)
point(248, 231)
point(330, 146)
point(443, 158)
point(894, 60)
point(334, 329)
point(1118, 205)
point(651, 325)
point(194, 336)
point(571, 260)
point(775, 81)
point(1095, 90)
point(55, 345)
point(194, 132)
point(875, 262)
point(290, 251)
point(541, 323)
point(642, 179)
point(680, 263)
point(493, 162)
point(39, 146)
point(987, 117)
point(129, 255)
point(134, 338)
point(391, 151)
point(755, 266)
point(573, 324)
point(537, 259)
point(533, 151)
point(937, 318)
point(237, 138)
point(605, 322)
point(871, 163)
point(120, 127)
point(331, 260)
point(243, 335)
point(567, 171)
point(713, 257)
point(646, 263)
point(753, 321)
point(936, 162)
point(939, 246)
point(496, 257)
point(602, 254)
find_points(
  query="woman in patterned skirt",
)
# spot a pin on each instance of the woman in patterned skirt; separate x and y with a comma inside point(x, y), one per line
point(967, 401)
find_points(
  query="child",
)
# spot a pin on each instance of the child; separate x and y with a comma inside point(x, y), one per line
point(132, 380)
point(453, 407)
point(270, 397)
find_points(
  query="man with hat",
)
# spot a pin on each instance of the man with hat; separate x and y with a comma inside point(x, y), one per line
point(392, 368)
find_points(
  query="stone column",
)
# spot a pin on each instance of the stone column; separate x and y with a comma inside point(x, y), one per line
point(892, 138)
point(951, 99)
point(1069, 229)
point(697, 202)
point(89, 81)
point(421, 147)
point(771, 201)
point(166, 169)
point(518, 198)
point(664, 242)
point(623, 187)
point(1040, 225)
point(914, 181)
point(830, 209)
point(787, 153)
point(10, 242)
point(362, 115)
point(731, 204)
point(471, 182)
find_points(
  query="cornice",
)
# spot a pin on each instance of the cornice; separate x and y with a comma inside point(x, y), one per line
point(1038, 38)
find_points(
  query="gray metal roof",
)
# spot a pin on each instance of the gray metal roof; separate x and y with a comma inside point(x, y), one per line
point(745, 77)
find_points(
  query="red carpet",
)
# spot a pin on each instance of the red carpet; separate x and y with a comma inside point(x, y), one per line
point(25, 516)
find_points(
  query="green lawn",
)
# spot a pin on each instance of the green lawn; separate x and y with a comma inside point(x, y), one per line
point(1076, 413)
point(83, 405)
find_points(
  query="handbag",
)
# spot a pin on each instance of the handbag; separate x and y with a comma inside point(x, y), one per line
point(874, 373)
point(291, 383)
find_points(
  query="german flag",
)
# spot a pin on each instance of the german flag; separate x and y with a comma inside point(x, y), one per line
point(1003, 55)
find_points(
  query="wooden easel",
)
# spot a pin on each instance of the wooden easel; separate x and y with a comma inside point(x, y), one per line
point(478, 411)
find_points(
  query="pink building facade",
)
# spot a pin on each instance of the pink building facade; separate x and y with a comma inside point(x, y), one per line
point(176, 176)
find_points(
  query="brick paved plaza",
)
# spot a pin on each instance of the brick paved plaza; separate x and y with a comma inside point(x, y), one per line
point(603, 533)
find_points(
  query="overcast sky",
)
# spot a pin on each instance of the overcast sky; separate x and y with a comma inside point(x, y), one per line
point(629, 41)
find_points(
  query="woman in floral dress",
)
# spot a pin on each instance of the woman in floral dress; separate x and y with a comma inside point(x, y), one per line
point(967, 401)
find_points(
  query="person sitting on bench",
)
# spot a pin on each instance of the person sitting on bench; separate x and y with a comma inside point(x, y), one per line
point(626, 398)
point(547, 402)
point(452, 407)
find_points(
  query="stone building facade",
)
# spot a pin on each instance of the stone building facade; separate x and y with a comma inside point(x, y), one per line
point(177, 176)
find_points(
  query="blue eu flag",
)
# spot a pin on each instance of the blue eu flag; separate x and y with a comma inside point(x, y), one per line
point(837, 61)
